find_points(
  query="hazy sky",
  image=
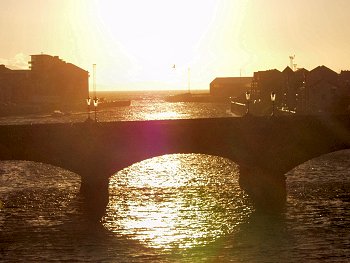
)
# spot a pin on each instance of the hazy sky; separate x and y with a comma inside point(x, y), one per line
point(135, 43)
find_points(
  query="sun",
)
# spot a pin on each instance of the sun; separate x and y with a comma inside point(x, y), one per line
point(139, 41)
point(147, 37)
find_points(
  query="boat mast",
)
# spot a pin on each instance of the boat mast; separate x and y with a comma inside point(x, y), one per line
point(94, 80)
point(95, 100)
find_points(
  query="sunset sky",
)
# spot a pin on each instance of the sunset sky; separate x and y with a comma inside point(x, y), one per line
point(135, 43)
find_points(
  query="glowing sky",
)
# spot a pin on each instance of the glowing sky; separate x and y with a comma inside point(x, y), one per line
point(135, 43)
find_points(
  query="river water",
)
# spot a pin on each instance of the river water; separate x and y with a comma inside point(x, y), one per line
point(173, 208)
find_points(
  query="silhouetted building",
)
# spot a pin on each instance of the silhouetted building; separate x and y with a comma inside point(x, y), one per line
point(49, 81)
point(289, 88)
point(298, 101)
point(230, 87)
point(264, 82)
point(320, 90)
point(11, 82)
point(344, 81)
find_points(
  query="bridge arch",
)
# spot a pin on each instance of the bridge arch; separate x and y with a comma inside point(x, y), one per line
point(321, 182)
point(326, 160)
point(23, 175)
point(341, 149)
point(188, 154)
point(288, 165)
point(4, 159)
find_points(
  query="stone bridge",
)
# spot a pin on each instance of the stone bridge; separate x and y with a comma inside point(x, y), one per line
point(265, 148)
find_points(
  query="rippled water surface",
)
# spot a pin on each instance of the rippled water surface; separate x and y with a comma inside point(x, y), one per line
point(177, 201)
point(173, 208)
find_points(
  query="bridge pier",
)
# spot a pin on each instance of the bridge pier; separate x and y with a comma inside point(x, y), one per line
point(94, 190)
point(266, 189)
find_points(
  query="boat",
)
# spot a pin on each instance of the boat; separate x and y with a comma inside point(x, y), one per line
point(57, 113)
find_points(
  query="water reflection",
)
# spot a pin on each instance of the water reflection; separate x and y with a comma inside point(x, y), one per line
point(176, 201)
point(35, 194)
point(318, 207)
point(164, 115)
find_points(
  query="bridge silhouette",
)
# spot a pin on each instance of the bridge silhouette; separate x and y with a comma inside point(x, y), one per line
point(265, 148)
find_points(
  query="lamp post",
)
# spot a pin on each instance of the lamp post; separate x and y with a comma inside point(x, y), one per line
point(303, 98)
point(273, 98)
point(95, 107)
point(88, 102)
point(247, 96)
point(95, 100)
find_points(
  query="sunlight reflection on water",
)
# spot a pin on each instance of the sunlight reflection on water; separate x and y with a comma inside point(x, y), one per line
point(36, 194)
point(176, 201)
point(164, 115)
